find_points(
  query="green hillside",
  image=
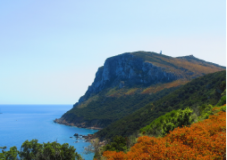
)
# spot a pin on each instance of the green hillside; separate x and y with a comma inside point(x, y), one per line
point(203, 90)
point(178, 118)
point(109, 109)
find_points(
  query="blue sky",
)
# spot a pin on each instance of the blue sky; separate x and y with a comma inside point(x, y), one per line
point(50, 50)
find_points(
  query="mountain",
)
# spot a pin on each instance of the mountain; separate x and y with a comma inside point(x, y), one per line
point(129, 81)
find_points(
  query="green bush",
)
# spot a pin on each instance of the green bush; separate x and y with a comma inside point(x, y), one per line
point(118, 144)
point(162, 125)
point(223, 108)
point(205, 111)
point(222, 101)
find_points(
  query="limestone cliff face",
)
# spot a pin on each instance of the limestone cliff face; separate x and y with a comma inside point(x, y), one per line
point(126, 70)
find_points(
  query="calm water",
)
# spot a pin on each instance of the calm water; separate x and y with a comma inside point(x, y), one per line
point(26, 122)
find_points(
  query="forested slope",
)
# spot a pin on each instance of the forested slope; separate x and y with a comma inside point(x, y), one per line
point(106, 110)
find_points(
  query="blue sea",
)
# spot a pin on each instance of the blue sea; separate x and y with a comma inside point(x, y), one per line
point(26, 122)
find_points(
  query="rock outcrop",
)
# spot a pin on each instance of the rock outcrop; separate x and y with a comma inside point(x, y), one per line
point(126, 70)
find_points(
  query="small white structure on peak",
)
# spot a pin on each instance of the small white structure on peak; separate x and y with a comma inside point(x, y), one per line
point(161, 52)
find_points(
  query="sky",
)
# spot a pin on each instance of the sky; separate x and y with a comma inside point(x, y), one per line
point(50, 50)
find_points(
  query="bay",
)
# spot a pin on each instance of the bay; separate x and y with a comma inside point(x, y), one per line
point(26, 122)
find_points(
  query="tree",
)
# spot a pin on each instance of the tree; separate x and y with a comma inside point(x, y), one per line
point(29, 150)
point(118, 144)
point(9, 155)
point(32, 150)
point(94, 147)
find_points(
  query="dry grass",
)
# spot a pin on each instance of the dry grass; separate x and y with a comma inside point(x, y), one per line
point(196, 68)
point(159, 87)
point(84, 104)
point(131, 91)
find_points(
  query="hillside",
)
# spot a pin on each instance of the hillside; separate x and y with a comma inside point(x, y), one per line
point(111, 109)
point(129, 81)
point(202, 90)
point(203, 140)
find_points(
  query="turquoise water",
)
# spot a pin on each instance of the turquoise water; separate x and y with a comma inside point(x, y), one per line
point(26, 122)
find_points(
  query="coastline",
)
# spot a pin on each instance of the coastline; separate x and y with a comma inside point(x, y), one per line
point(80, 125)
point(89, 138)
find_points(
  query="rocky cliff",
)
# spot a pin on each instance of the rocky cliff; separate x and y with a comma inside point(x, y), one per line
point(127, 70)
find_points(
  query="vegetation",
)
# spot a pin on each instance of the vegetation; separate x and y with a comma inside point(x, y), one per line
point(166, 123)
point(201, 91)
point(94, 147)
point(202, 140)
point(158, 87)
point(177, 118)
point(118, 144)
point(112, 108)
point(120, 96)
point(223, 99)
point(32, 150)
point(9, 155)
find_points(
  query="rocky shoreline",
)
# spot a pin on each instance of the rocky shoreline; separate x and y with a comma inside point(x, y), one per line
point(90, 138)
point(80, 125)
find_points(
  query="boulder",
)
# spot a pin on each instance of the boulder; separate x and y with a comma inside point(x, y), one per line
point(76, 134)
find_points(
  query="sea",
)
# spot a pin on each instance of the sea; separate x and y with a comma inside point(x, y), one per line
point(19, 123)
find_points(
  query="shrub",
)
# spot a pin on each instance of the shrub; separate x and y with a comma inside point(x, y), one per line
point(203, 140)
point(166, 123)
